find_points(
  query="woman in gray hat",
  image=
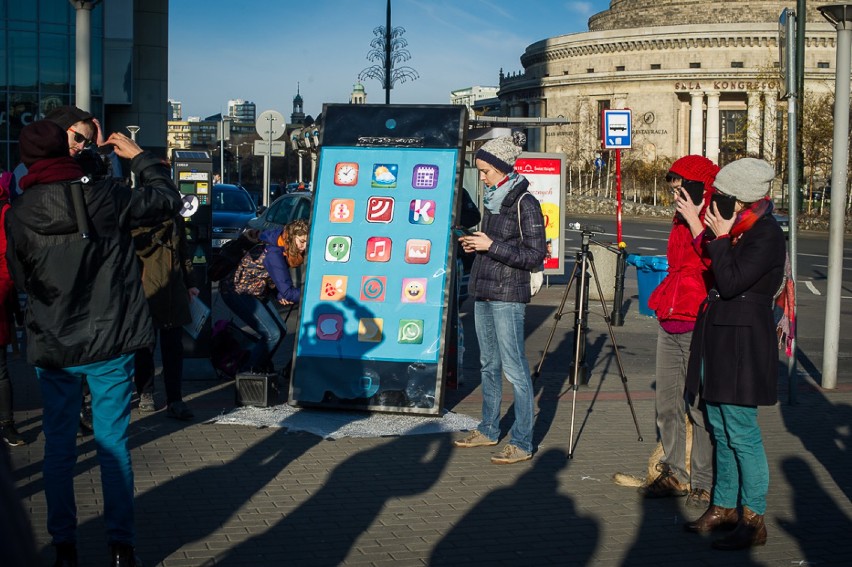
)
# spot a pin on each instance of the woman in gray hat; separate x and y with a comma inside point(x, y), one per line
point(734, 353)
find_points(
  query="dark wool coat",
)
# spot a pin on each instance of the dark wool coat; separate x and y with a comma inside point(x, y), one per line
point(84, 296)
point(735, 333)
point(503, 272)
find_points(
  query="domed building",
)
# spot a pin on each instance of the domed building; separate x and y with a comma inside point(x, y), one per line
point(700, 76)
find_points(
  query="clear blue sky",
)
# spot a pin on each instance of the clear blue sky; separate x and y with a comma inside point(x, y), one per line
point(259, 50)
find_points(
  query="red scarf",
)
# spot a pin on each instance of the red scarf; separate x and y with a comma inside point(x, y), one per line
point(51, 170)
point(747, 218)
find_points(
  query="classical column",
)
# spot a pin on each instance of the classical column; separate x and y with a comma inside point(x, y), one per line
point(696, 124)
point(682, 147)
point(712, 139)
point(753, 127)
point(770, 125)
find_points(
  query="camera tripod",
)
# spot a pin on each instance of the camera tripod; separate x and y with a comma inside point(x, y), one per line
point(578, 370)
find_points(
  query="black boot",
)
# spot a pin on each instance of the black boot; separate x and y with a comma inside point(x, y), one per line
point(123, 555)
point(66, 555)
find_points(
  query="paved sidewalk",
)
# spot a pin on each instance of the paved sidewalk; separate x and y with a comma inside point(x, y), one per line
point(233, 495)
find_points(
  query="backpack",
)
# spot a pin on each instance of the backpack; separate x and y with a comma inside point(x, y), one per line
point(229, 258)
point(231, 347)
point(251, 277)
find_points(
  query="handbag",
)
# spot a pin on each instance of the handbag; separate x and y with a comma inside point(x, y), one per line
point(536, 275)
point(251, 277)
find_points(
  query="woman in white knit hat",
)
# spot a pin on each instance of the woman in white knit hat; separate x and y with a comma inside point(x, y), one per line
point(510, 245)
point(734, 353)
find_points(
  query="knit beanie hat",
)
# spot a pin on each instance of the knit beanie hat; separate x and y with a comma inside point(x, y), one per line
point(67, 116)
point(747, 179)
point(502, 152)
point(42, 139)
point(696, 168)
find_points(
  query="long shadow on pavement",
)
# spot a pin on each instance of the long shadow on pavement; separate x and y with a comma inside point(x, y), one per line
point(323, 529)
point(506, 527)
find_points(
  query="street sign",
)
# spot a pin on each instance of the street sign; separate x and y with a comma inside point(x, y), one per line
point(261, 148)
point(617, 129)
point(270, 125)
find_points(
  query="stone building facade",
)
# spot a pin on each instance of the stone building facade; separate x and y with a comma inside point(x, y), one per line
point(701, 77)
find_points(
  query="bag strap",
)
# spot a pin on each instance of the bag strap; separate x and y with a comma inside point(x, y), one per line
point(80, 208)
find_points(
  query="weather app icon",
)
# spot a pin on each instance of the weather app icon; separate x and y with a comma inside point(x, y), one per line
point(337, 248)
point(384, 175)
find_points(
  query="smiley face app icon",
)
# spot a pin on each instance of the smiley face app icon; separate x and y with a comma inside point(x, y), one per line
point(337, 248)
point(413, 290)
point(410, 331)
point(329, 326)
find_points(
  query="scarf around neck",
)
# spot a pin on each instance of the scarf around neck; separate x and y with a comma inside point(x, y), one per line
point(51, 170)
point(749, 216)
point(494, 195)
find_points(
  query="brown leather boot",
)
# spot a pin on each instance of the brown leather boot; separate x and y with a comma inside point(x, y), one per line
point(714, 519)
point(750, 532)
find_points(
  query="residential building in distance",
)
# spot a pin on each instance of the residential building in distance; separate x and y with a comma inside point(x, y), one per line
point(175, 110)
point(469, 95)
point(242, 110)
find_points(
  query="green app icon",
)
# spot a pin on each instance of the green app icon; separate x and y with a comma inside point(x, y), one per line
point(337, 248)
point(410, 331)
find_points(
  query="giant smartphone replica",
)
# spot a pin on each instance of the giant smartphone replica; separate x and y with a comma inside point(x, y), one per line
point(373, 323)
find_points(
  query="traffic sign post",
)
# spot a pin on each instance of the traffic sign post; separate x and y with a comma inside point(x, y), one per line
point(617, 135)
point(270, 126)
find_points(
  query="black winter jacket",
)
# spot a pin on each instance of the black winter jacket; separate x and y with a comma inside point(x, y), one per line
point(503, 272)
point(734, 335)
point(85, 301)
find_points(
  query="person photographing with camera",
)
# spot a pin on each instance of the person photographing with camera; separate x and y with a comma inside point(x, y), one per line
point(733, 361)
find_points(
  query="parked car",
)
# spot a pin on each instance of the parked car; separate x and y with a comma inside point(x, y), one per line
point(284, 210)
point(783, 222)
point(232, 207)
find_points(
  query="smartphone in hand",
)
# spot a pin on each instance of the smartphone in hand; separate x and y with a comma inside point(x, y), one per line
point(695, 190)
point(462, 231)
point(725, 204)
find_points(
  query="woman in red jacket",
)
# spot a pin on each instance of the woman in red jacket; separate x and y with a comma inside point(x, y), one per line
point(676, 301)
point(7, 293)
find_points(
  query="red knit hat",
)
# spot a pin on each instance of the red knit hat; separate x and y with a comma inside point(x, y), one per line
point(696, 168)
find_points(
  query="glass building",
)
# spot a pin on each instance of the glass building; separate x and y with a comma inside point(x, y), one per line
point(37, 40)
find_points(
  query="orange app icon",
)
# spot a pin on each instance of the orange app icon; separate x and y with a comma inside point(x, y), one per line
point(333, 288)
point(370, 330)
point(418, 251)
point(341, 210)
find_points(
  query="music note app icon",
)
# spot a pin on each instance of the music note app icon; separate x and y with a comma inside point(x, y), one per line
point(378, 249)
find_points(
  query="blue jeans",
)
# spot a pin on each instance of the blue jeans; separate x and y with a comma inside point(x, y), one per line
point(264, 319)
point(111, 384)
point(500, 330)
point(741, 467)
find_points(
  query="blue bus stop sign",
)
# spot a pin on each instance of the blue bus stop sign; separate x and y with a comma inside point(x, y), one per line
point(617, 129)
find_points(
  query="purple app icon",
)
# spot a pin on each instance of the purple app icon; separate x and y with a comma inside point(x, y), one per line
point(425, 176)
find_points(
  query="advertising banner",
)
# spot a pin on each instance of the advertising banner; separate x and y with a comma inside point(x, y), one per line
point(546, 174)
point(373, 323)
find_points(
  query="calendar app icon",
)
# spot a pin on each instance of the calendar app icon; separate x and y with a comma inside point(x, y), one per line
point(425, 176)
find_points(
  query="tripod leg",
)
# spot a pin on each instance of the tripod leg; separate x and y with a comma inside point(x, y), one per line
point(579, 340)
point(556, 316)
point(615, 349)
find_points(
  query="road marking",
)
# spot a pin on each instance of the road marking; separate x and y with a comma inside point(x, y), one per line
point(812, 287)
point(826, 267)
point(645, 248)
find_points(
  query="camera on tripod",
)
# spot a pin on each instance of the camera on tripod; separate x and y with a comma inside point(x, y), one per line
point(590, 229)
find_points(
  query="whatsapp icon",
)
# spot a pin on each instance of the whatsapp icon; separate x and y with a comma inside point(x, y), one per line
point(337, 248)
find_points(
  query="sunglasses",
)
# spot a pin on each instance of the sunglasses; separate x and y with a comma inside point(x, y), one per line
point(80, 138)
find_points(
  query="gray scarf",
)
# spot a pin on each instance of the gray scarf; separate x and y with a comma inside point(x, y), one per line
point(494, 195)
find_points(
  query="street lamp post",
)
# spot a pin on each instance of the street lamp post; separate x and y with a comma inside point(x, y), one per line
point(840, 16)
point(133, 129)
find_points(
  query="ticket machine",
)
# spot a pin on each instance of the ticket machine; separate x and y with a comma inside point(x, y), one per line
point(192, 172)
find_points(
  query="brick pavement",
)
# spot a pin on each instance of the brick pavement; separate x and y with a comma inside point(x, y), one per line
point(234, 495)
